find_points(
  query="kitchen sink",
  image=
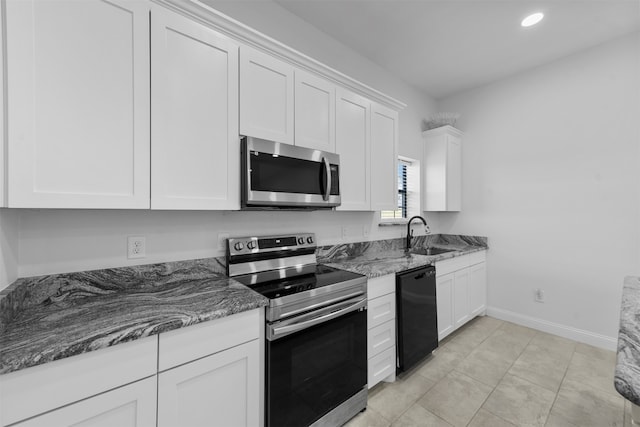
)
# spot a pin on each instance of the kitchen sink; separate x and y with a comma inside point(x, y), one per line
point(430, 251)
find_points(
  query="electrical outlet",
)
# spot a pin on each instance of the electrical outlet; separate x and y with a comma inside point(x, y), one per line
point(365, 231)
point(538, 295)
point(345, 231)
point(222, 241)
point(136, 247)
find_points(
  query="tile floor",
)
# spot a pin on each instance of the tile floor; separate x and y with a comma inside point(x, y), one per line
point(492, 373)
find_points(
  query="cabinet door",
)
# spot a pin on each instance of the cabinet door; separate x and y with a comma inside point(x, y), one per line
point(315, 112)
point(219, 390)
point(454, 173)
point(133, 405)
point(477, 289)
point(444, 300)
point(266, 96)
point(194, 125)
point(353, 140)
point(3, 165)
point(461, 311)
point(384, 158)
point(78, 103)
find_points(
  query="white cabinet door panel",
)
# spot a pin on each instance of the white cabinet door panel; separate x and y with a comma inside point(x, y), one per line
point(461, 311)
point(3, 165)
point(133, 405)
point(78, 103)
point(219, 390)
point(454, 173)
point(196, 150)
point(478, 289)
point(444, 300)
point(384, 155)
point(266, 96)
point(315, 112)
point(353, 140)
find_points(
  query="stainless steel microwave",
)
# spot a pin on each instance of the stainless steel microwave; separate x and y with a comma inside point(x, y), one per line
point(283, 176)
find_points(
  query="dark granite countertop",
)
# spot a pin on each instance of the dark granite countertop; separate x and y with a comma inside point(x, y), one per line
point(47, 318)
point(379, 258)
point(627, 376)
point(52, 317)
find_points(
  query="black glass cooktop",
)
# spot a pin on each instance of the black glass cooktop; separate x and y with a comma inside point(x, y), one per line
point(323, 276)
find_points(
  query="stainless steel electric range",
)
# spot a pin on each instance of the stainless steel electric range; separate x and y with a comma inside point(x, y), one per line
point(316, 329)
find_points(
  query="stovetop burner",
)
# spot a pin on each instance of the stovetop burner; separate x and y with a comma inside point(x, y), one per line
point(323, 276)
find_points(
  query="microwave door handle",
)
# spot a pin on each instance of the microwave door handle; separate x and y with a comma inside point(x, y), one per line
point(327, 188)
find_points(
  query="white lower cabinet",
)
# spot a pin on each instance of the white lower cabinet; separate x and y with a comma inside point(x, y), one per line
point(461, 291)
point(218, 390)
point(209, 374)
point(381, 325)
point(133, 405)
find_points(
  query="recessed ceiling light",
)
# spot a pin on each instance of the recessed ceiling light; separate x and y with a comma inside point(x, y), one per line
point(532, 19)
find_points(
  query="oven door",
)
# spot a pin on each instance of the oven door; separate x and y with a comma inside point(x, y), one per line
point(282, 175)
point(315, 362)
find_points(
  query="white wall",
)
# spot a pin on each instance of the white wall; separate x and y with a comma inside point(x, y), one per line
point(9, 229)
point(54, 241)
point(551, 174)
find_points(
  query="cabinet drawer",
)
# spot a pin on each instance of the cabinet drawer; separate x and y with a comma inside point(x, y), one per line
point(477, 257)
point(381, 338)
point(382, 285)
point(454, 264)
point(381, 310)
point(187, 344)
point(65, 381)
point(381, 366)
point(132, 405)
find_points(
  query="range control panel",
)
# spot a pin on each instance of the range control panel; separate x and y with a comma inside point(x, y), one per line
point(254, 245)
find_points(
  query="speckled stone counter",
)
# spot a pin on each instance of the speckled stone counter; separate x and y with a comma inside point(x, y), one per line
point(52, 317)
point(627, 376)
point(378, 258)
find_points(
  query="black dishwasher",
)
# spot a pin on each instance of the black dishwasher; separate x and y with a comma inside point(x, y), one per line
point(417, 321)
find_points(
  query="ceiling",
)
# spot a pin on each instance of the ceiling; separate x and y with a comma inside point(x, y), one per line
point(447, 46)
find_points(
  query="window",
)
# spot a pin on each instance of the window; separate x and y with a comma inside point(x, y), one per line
point(408, 192)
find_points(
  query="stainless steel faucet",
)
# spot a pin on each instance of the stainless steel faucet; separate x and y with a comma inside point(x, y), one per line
point(410, 232)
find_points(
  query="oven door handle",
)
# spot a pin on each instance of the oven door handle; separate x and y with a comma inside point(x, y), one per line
point(275, 332)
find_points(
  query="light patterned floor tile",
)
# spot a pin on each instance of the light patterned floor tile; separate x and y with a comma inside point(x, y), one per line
point(417, 416)
point(593, 372)
point(485, 418)
point(455, 398)
point(583, 405)
point(443, 361)
point(520, 402)
point(368, 418)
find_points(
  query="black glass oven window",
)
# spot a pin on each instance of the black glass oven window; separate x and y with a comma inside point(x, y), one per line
point(285, 174)
point(311, 372)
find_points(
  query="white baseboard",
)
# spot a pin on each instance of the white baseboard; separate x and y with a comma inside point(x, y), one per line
point(587, 337)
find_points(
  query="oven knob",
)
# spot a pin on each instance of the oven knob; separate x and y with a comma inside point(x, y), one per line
point(300, 240)
point(251, 245)
point(238, 246)
point(309, 240)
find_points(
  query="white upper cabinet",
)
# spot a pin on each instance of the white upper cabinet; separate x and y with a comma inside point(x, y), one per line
point(353, 144)
point(195, 156)
point(384, 155)
point(266, 96)
point(443, 169)
point(315, 114)
point(3, 99)
point(78, 103)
